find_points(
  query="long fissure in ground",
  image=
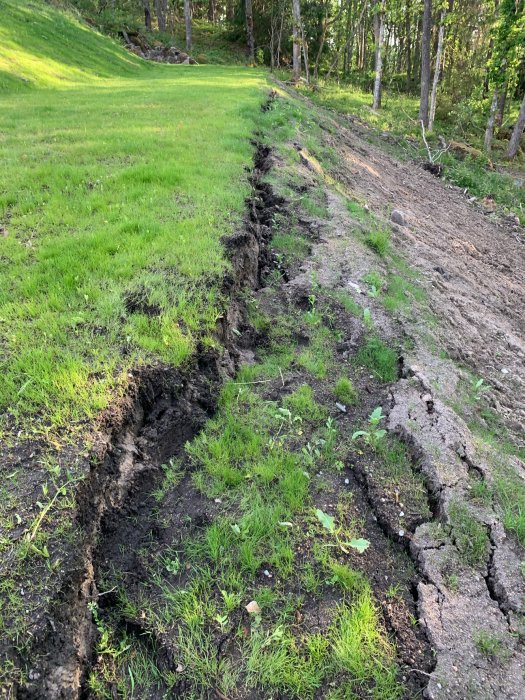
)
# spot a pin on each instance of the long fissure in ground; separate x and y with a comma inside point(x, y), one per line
point(227, 563)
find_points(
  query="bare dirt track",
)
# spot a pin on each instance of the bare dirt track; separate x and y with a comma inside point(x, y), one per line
point(472, 262)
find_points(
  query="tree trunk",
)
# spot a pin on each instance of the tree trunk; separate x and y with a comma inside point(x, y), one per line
point(489, 131)
point(502, 101)
point(517, 133)
point(161, 17)
point(379, 31)
point(211, 11)
point(425, 62)
point(437, 70)
point(416, 53)
point(250, 43)
point(350, 47)
point(408, 46)
point(280, 41)
point(304, 44)
point(296, 32)
point(187, 23)
point(147, 15)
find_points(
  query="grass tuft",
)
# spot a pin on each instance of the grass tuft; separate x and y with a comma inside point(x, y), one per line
point(469, 535)
point(346, 392)
point(378, 358)
point(378, 241)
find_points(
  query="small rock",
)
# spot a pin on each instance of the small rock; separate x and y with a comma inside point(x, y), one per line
point(341, 407)
point(355, 286)
point(33, 675)
point(398, 217)
point(267, 573)
point(180, 668)
point(253, 608)
point(347, 481)
point(504, 370)
point(401, 514)
point(401, 533)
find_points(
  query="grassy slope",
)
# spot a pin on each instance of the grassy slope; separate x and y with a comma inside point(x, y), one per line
point(118, 187)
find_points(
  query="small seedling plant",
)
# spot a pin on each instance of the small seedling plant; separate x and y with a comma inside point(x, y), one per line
point(373, 436)
point(328, 522)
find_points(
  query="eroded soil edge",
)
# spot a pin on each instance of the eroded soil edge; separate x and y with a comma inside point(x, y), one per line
point(162, 409)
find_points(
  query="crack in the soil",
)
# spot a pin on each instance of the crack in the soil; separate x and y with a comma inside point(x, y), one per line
point(164, 408)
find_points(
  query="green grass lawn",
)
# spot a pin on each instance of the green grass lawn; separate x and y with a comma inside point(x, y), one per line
point(118, 180)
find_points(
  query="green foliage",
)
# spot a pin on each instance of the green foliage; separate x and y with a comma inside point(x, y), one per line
point(302, 403)
point(361, 649)
point(398, 476)
point(292, 246)
point(378, 358)
point(373, 436)
point(379, 241)
point(509, 492)
point(401, 293)
point(317, 357)
point(469, 535)
point(490, 645)
point(346, 392)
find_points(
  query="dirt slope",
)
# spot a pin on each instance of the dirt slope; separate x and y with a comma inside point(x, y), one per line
point(472, 263)
point(473, 269)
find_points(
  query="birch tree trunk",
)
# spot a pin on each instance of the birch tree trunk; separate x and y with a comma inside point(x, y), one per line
point(437, 70)
point(425, 62)
point(296, 33)
point(489, 131)
point(408, 30)
point(517, 132)
point(279, 41)
point(304, 44)
point(249, 31)
point(379, 32)
point(187, 22)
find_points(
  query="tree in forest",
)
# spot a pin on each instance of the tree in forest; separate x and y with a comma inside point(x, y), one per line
point(249, 31)
point(160, 11)
point(187, 23)
point(437, 68)
point(425, 62)
point(379, 31)
point(505, 64)
point(147, 15)
point(517, 132)
point(296, 48)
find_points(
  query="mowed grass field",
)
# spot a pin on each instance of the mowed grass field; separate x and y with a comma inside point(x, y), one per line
point(118, 180)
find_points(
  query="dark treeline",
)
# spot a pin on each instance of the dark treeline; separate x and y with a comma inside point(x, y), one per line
point(442, 50)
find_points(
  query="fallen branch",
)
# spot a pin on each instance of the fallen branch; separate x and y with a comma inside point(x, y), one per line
point(432, 158)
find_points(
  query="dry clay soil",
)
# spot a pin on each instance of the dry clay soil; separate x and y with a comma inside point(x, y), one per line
point(473, 265)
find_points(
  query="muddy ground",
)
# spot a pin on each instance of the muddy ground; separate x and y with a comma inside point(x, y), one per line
point(471, 265)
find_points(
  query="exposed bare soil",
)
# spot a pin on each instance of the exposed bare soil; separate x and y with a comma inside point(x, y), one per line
point(472, 263)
